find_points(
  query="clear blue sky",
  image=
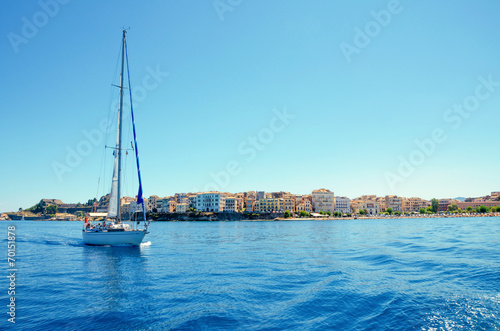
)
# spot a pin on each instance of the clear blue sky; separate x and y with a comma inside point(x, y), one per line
point(355, 103)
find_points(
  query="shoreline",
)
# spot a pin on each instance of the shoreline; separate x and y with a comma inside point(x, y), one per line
point(376, 217)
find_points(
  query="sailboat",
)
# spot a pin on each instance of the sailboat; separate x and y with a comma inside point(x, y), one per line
point(108, 228)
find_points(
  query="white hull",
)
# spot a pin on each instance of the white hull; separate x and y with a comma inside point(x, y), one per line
point(114, 238)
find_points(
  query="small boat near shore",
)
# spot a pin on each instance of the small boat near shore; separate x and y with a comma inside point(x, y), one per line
point(109, 228)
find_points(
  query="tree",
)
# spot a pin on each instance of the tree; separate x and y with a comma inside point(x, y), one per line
point(389, 210)
point(329, 213)
point(303, 213)
point(435, 205)
point(287, 214)
point(90, 202)
point(397, 212)
point(38, 208)
point(452, 207)
point(429, 210)
point(421, 210)
point(361, 212)
point(469, 209)
point(51, 210)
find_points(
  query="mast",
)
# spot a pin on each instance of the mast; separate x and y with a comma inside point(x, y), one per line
point(120, 117)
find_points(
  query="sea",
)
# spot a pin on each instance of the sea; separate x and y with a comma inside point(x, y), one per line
point(365, 274)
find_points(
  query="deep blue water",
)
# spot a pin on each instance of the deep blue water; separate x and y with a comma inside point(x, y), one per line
point(418, 274)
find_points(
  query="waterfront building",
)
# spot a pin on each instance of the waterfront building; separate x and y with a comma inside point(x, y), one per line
point(414, 204)
point(168, 206)
point(307, 200)
point(159, 205)
point(181, 207)
point(210, 201)
point(444, 203)
point(179, 196)
point(371, 207)
point(151, 203)
point(289, 202)
point(192, 200)
point(323, 200)
point(394, 202)
point(261, 195)
point(250, 195)
point(477, 203)
point(126, 200)
point(231, 205)
point(382, 202)
point(342, 205)
point(249, 205)
point(371, 197)
point(269, 205)
point(303, 203)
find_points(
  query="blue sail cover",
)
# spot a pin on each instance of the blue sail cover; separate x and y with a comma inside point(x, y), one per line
point(140, 199)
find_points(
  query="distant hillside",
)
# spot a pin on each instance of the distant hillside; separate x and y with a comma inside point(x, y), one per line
point(460, 198)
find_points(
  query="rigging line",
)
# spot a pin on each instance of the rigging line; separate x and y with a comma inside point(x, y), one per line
point(111, 108)
point(139, 194)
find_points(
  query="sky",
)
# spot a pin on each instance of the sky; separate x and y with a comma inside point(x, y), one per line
point(374, 97)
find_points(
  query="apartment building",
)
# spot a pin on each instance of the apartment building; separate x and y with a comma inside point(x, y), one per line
point(342, 205)
point(372, 207)
point(230, 205)
point(414, 204)
point(210, 201)
point(394, 202)
point(269, 205)
point(181, 207)
point(323, 200)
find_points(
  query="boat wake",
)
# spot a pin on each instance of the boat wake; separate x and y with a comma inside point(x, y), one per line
point(147, 243)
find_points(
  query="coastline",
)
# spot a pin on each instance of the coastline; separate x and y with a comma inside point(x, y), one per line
point(267, 217)
point(377, 217)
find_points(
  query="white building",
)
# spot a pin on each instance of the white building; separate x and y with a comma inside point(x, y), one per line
point(231, 205)
point(210, 201)
point(323, 200)
point(343, 204)
point(181, 207)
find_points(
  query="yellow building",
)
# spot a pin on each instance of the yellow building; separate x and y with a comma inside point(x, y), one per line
point(270, 205)
point(289, 202)
point(371, 207)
